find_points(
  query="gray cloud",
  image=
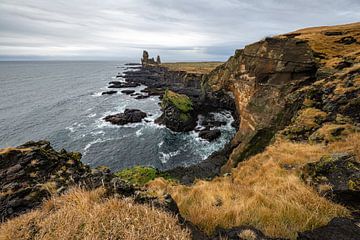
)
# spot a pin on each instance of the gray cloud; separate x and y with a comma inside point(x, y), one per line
point(178, 30)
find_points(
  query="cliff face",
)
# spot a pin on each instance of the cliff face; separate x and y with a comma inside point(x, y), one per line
point(268, 81)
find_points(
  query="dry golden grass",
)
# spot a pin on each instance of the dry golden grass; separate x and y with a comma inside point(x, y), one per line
point(328, 45)
point(264, 191)
point(88, 215)
point(192, 67)
point(6, 150)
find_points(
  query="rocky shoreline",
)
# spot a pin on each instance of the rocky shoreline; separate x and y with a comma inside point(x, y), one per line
point(294, 161)
point(182, 87)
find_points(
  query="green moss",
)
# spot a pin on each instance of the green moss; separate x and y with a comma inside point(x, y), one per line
point(180, 101)
point(139, 175)
point(184, 117)
point(353, 185)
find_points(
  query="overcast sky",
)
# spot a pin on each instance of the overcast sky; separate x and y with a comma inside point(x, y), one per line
point(177, 30)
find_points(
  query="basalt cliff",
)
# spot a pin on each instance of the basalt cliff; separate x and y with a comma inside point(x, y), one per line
point(292, 171)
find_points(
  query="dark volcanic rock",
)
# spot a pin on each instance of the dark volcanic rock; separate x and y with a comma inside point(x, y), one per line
point(338, 228)
point(342, 172)
point(153, 91)
point(128, 116)
point(108, 92)
point(333, 33)
point(34, 171)
point(123, 84)
point(347, 40)
point(141, 96)
point(210, 135)
point(128, 92)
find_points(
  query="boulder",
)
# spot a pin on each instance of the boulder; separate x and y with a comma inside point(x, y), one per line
point(141, 96)
point(128, 92)
point(341, 172)
point(128, 116)
point(108, 92)
point(210, 135)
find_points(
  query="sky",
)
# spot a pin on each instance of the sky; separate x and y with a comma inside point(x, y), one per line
point(180, 30)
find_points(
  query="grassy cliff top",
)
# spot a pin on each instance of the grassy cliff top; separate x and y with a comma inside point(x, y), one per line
point(192, 67)
point(332, 44)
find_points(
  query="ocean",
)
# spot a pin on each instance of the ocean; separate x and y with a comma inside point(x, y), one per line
point(61, 101)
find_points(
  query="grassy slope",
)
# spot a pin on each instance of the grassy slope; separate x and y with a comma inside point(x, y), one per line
point(264, 191)
point(89, 215)
point(192, 67)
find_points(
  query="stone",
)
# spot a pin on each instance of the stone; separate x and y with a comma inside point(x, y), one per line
point(210, 135)
point(347, 40)
point(128, 116)
point(108, 92)
point(128, 92)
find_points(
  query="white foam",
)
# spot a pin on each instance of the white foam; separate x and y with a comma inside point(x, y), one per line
point(164, 158)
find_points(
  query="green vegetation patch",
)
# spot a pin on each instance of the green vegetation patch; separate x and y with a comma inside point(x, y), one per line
point(139, 175)
point(180, 101)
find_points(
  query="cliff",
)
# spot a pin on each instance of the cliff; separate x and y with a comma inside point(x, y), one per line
point(273, 79)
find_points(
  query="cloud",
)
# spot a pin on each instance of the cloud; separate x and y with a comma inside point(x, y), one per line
point(178, 30)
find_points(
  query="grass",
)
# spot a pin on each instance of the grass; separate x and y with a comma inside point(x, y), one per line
point(328, 46)
point(82, 214)
point(139, 175)
point(192, 67)
point(180, 101)
point(264, 191)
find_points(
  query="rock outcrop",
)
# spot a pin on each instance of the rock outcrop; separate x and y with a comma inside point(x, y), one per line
point(178, 114)
point(146, 60)
point(34, 171)
point(128, 116)
point(336, 176)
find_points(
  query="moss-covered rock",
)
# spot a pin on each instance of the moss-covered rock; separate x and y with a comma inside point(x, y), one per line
point(180, 101)
point(341, 172)
point(138, 175)
point(178, 114)
point(305, 123)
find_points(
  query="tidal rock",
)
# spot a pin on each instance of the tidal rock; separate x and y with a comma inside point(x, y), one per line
point(153, 91)
point(341, 172)
point(115, 84)
point(128, 116)
point(141, 96)
point(338, 228)
point(128, 92)
point(178, 114)
point(210, 135)
point(108, 92)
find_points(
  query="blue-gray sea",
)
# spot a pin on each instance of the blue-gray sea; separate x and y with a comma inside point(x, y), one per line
point(62, 103)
